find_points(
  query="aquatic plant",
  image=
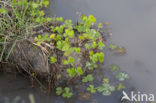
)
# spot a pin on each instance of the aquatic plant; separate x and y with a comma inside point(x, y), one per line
point(106, 88)
point(70, 51)
point(88, 78)
point(114, 68)
point(65, 92)
point(120, 86)
point(112, 46)
point(91, 88)
point(91, 65)
point(122, 76)
point(71, 72)
point(59, 90)
point(53, 59)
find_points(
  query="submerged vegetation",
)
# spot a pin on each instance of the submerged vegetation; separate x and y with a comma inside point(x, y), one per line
point(69, 52)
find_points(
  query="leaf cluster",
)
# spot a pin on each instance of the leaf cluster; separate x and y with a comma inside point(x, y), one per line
point(65, 92)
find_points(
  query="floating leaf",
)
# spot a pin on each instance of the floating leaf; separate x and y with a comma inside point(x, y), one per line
point(120, 86)
point(79, 71)
point(100, 25)
point(53, 59)
point(42, 13)
point(105, 80)
point(91, 88)
point(122, 76)
point(91, 66)
point(88, 78)
point(114, 68)
point(52, 36)
point(71, 60)
point(101, 45)
point(46, 3)
point(71, 72)
point(67, 93)
point(59, 90)
point(106, 89)
point(59, 19)
point(112, 46)
point(3, 11)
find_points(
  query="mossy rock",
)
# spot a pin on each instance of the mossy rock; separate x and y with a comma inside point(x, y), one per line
point(29, 57)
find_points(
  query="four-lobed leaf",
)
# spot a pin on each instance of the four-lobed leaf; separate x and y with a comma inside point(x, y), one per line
point(79, 71)
point(88, 78)
point(71, 72)
point(53, 59)
point(122, 76)
point(112, 46)
point(67, 93)
point(114, 68)
point(59, 90)
point(120, 86)
point(91, 88)
point(106, 89)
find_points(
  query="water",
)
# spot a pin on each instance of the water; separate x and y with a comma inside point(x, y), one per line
point(134, 27)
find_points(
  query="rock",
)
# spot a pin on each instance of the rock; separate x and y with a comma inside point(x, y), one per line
point(29, 57)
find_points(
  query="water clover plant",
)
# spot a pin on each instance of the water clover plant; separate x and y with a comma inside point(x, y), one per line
point(53, 59)
point(39, 39)
point(101, 45)
point(74, 48)
point(73, 71)
point(59, 90)
point(79, 71)
point(114, 68)
point(88, 78)
point(120, 86)
point(52, 36)
point(59, 19)
point(65, 92)
point(112, 46)
point(122, 76)
point(97, 57)
point(3, 11)
point(87, 22)
point(105, 80)
point(106, 89)
point(91, 88)
point(91, 65)
point(69, 61)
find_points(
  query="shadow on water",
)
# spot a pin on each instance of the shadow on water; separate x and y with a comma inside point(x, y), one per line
point(133, 24)
point(14, 86)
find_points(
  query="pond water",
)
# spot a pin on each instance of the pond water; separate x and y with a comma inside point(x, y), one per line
point(134, 27)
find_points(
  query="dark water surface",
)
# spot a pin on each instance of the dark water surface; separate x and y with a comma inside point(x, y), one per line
point(134, 27)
